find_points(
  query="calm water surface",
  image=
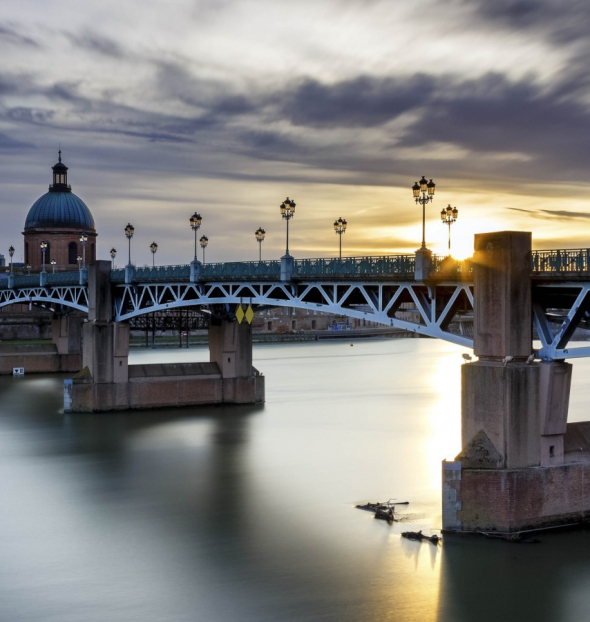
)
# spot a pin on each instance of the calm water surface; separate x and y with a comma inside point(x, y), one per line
point(246, 513)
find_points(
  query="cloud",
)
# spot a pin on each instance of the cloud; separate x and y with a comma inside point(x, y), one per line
point(560, 215)
point(98, 44)
point(10, 35)
point(8, 143)
point(365, 101)
point(565, 24)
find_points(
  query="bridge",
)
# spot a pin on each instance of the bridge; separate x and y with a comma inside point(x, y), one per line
point(370, 288)
point(522, 465)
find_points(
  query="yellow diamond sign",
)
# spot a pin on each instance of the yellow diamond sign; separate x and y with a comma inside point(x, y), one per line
point(240, 314)
point(249, 314)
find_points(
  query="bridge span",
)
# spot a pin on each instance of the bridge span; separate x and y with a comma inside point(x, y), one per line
point(370, 288)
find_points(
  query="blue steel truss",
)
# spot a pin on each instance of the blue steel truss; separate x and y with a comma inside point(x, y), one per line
point(73, 296)
point(378, 302)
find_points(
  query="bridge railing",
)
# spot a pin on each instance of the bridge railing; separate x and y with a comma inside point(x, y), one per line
point(241, 270)
point(548, 261)
point(451, 267)
point(570, 260)
point(33, 280)
point(157, 274)
point(388, 265)
point(24, 280)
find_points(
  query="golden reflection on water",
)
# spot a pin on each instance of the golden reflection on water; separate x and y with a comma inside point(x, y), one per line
point(443, 437)
point(407, 584)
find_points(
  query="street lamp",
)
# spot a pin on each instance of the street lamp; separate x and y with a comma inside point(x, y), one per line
point(287, 208)
point(195, 221)
point(153, 248)
point(448, 217)
point(113, 255)
point(204, 240)
point(29, 269)
point(83, 239)
point(11, 253)
point(340, 228)
point(129, 231)
point(79, 260)
point(53, 262)
point(43, 249)
point(260, 233)
point(423, 193)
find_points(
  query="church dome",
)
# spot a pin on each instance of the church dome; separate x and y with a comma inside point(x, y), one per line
point(60, 209)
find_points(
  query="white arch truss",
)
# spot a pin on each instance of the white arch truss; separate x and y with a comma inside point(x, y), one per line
point(74, 296)
point(435, 305)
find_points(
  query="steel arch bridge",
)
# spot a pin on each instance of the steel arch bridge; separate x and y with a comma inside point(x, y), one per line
point(72, 296)
point(369, 288)
point(379, 302)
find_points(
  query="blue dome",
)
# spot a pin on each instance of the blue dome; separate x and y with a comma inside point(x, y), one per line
point(60, 210)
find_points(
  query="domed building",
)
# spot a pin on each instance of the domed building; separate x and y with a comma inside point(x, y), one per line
point(59, 218)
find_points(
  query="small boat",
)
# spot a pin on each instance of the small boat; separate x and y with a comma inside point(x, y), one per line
point(384, 511)
point(418, 535)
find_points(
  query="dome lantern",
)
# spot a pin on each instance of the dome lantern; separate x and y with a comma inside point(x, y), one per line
point(60, 177)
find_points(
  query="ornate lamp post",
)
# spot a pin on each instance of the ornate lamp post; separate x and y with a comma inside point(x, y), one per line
point(340, 228)
point(53, 263)
point(11, 253)
point(448, 217)
point(203, 241)
point(153, 248)
point(260, 233)
point(423, 193)
point(287, 208)
point(129, 231)
point(196, 221)
point(83, 239)
point(29, 269)
point(79, 260)
point(43, 249)
point(113, 255)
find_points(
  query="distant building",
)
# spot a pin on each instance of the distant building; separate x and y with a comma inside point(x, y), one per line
point(59, 218)
point(287, 320)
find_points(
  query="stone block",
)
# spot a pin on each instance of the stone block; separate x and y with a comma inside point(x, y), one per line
point(503, 401)
point(423, 264)
point(555, 383)
point(502, 310)
point(480, 453)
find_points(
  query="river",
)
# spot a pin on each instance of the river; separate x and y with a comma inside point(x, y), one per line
point(247, 513)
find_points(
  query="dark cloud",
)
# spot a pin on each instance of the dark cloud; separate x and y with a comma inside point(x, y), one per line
point(269, 145)
point(98, 44)
point(564, 23)
point(7, 143)
point(362, 102)
point(10, 35)
point(495, 115)
point(23, 114)
point(553, 214)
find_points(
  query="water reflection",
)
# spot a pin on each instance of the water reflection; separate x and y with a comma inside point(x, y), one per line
point(247, 513)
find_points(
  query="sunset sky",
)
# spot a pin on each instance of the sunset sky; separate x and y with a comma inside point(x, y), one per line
point(226, 107)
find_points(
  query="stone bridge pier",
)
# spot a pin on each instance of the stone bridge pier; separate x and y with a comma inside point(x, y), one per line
point(66, 336)
point(63, 355)
point(516, 471)
point(107, 382)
